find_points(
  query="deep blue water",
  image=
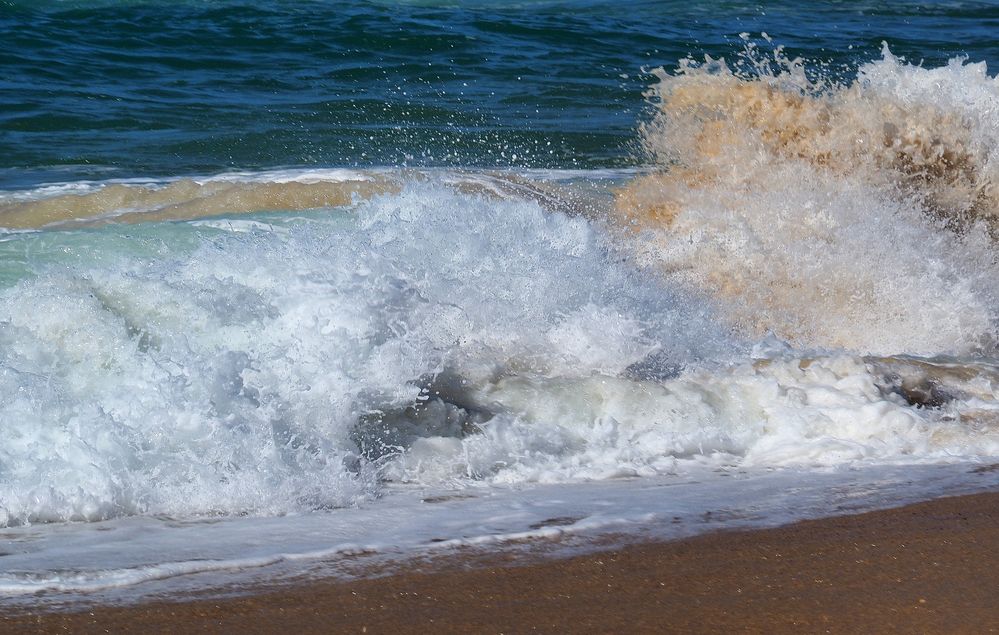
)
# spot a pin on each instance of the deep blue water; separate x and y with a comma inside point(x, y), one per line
point(97, 89)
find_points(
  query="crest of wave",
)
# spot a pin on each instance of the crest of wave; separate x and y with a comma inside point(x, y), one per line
point(855, 214)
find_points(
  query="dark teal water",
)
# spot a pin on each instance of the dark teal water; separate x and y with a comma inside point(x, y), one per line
point(98, 89)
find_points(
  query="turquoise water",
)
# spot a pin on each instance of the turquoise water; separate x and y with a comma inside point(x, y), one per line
point(99, 89)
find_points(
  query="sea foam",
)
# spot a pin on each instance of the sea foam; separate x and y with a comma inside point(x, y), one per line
point(197, 368)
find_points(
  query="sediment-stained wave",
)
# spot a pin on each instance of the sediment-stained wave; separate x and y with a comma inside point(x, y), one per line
point(91, 204)
point(859, 215)
point(75, 205)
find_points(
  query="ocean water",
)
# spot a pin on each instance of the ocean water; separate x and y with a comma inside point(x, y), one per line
point(298, 287)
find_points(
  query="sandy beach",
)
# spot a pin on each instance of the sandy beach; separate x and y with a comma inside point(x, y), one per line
point(932, 567)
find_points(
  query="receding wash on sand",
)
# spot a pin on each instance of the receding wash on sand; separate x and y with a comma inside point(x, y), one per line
point(302, 289)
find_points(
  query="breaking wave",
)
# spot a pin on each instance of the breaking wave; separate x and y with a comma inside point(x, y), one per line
point(856, 214)
point(808, 277)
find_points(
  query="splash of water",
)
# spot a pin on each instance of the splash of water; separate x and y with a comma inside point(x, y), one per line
point(833, 214)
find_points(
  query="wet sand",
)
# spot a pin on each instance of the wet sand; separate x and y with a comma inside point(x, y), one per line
point(927, 568)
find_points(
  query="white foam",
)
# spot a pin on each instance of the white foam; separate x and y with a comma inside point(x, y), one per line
point(788, 412)
point(131, 558)
point(232, 377)
point(293, 175)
